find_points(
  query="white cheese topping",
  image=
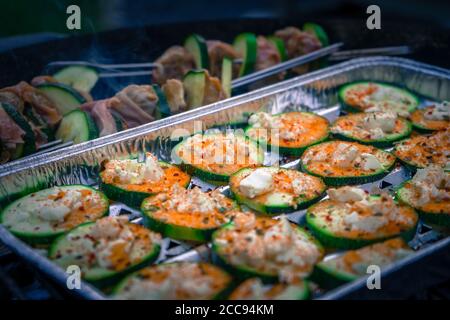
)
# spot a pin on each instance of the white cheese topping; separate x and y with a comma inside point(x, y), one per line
point(386, 99)
point(367, 224)
point(52, 207)
point(281, 247)
point(258, 182)
point(441, 111)
point(370, 162)
point(131, 171)
point(431, 183)
point(384, 121)
point(344, 155)
point(366, 214)
point(195, 200)
point(347, 194)
point(263, 120)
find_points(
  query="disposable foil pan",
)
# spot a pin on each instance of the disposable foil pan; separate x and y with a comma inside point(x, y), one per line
point(316, 92)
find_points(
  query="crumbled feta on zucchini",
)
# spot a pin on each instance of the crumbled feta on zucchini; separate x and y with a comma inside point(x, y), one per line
point(256, 183)
point(347, 194)
point(131, 171)
point(370, 162)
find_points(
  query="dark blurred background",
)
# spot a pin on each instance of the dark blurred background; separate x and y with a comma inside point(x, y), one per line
point(30, 16)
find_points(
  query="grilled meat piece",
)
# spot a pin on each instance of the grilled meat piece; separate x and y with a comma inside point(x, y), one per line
point(136, 104)
point(298, 43)
point(10, 132)
point(101, 113)
point(174, 91)
point(213, 90)
point(38, 101)
point(175, 62)
point(268, 54)
point(217, 50)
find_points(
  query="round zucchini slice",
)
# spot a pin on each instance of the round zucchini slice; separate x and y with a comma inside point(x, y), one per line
point(77, 126)
point(82, 78)
point(216, 156)
point(106, 250)
point(318, 31)
point(338, 225)
point(191, 215)
point(246, 46)
point(196, 45)
point(422, 151)
point(40, 217)
point(332, 161)
point(254, 289)
point(352, 128)
point(424, 125)
point(269, 249)
point(365, 96)
point(433, 211)
point(175, 281)
point(133, 194)
point(353, 264)
point(288, 190)
point(290, 133)
point(64, 97)
point(279, 44)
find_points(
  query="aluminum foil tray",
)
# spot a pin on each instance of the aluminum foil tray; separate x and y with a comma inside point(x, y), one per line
point(315, 92)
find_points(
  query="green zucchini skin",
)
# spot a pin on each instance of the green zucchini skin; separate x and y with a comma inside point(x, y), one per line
point(132, 199)
point(329, 240)
point(353, 109)
point(440, 219)
point(421, 129)
point(240, 272)
point(276, 209)
point(329, 278)
point(82, 78)
point(342, 181)
point(197, 46)
point(110, 279)
point(288, 151)
point(379, 143)
point(249, 51)
point(65, 97)
point(221, 295)
point(267, 209)
point(162, 109)
point(176, 232)
point(29, 139)
point(73, 118)
point(318, 31)
point(47, 238)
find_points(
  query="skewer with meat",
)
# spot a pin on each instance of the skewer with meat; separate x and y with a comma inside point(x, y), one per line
point(217, 51)
point(173, 64)
point(298, 43)
point(28, 119)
